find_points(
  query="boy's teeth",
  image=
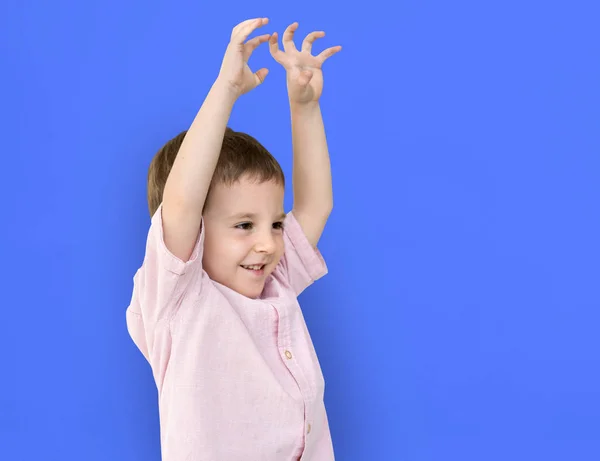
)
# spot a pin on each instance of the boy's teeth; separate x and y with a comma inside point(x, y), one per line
point(255, 268)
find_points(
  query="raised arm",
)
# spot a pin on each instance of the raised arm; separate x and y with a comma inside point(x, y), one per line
point(313, 195)
point(188, 182)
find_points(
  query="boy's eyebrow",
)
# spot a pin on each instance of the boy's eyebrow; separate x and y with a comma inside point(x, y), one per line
point(242, 215)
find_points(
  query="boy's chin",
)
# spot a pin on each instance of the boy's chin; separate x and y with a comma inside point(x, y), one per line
point(252, 294)
point(249, 290)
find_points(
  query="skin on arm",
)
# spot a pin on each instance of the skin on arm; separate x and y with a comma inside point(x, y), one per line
point(190, 177)
point(313, 194)
point(311, 177)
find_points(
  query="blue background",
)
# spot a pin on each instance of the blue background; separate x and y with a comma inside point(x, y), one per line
point(459, 320)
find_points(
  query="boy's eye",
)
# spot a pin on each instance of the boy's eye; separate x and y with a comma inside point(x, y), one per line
point(248, 225)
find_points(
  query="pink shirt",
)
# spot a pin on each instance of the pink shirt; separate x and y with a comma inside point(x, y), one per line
point(237, 378)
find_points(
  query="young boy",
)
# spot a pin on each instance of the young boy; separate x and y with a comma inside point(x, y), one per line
point(214, 308)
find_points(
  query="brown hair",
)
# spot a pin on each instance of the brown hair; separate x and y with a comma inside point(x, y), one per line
point(240, 154)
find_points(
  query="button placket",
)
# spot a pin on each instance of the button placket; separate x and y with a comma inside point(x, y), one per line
point(283, 339)
point(285, 348)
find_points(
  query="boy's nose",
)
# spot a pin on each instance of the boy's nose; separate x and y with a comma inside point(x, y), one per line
point(265, 244)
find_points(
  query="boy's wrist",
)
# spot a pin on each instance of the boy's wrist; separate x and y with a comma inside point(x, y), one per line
point(304, 106)
point(225, 91)
point(304, 109)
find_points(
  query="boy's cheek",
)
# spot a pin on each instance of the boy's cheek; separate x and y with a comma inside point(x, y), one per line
point(280, 252)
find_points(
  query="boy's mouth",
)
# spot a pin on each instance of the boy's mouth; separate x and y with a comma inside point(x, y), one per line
point(256, 269)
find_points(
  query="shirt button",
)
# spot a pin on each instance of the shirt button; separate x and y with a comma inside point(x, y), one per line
point(288, 354)
point(308, 429)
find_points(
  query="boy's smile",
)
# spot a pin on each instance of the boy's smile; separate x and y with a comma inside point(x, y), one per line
point(243, 234)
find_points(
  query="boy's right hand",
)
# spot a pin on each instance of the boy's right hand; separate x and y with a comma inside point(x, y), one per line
point(235, 72)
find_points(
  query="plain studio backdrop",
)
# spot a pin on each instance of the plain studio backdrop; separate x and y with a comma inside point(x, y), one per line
point(459, 320)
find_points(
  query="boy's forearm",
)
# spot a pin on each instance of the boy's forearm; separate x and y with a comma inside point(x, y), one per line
point(192, 171)
point(311, 177)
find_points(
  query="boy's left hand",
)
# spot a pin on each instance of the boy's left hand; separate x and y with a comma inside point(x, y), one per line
point(304, 74)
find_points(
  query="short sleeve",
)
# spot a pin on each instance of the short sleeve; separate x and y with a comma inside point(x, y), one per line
point(301, 264)
point(158, 288)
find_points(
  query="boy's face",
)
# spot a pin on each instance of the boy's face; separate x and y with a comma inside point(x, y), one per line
point(243, 226)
